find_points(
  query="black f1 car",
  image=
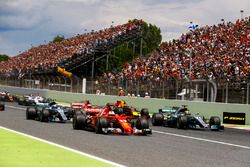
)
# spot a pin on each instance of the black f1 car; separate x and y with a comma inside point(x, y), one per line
point(49, 112)
point(179, 117)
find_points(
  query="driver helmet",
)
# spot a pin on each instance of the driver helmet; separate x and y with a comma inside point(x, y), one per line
point(186, 112)
point(122, 103)
point(111, 113)
point(108, 106)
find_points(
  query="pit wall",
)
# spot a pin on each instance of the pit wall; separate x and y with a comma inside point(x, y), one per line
point(203, 108)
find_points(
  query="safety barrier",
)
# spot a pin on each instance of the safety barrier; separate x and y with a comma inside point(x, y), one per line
point(204, 108)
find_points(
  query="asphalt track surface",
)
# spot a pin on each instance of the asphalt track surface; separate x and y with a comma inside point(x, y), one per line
point(165, 147)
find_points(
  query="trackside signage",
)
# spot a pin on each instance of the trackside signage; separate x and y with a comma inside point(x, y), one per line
point(234, 118)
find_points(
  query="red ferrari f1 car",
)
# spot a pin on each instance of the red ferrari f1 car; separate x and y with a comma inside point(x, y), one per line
point(80, 107)
point(113, 118)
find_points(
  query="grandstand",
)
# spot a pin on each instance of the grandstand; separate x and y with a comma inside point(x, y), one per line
point(212, 60)
point(71, 54)
point(212, 52)
point(220, 53)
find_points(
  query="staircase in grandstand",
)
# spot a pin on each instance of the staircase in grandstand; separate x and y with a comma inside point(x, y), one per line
point(82, 60)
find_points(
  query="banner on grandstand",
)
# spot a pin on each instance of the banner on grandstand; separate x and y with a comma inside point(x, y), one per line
point(234, 118)
point(64, 72)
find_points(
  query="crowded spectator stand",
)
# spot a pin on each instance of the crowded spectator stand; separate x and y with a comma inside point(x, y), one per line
point(70, 54)
point(219, 53)
point(212, 52)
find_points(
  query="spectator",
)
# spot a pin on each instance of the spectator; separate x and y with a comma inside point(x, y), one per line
point(45, 58)
point(98, 92)
point(120, 91)
point(214, 52)
point(146, 95)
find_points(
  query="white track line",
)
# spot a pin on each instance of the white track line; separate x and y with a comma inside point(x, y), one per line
point(64, 147)
point(16, 107)
point(201, 139)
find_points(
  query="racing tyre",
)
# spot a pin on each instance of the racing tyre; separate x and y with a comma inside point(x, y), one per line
point(26, 103)
point(119, 111)
point(215, 120)
point(144, 113)
point(30, 113)
point(44, 115)
point(77, 112)
point(142, 123)
point(101, 123)
point(181, 122)
point(19, 102)
point(157, 119)
point(79, 121)
point(2, 107)
point(133, 123)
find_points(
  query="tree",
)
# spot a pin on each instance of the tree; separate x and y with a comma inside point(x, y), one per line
point(151, 36)
point(151, 39)
point(4, 57)
point(58, 38)
point(117, 59)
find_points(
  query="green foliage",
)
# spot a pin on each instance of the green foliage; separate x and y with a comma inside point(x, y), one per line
point(151, 39)
point(117, 59)
point(4, 57)
point(58, 38)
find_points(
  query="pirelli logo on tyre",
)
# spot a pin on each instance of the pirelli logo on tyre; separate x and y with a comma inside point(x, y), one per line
point(234, 118)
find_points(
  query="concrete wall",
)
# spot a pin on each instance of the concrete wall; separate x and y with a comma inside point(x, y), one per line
point(204, 108)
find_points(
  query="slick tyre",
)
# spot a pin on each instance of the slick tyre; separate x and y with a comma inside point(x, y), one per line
point(142, 123)
point(182, 122)
point(144, 113)
point(157, 119)
point(133, 123)
point(215, 120)
point(77, 112)
point(120, 111)
point(19, 102)
point(101, 123)
point(44, 115)
point(79, 121)
point(30, 113)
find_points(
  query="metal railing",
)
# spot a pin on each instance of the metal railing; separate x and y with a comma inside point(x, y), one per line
point(196, 90)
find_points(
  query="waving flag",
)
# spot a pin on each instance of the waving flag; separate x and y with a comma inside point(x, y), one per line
point(193, 27)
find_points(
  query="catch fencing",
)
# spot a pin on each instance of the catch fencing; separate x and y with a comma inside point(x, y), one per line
point(196, 90)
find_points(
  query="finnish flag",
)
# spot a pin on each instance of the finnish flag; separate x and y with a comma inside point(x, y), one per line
point(193, 27)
